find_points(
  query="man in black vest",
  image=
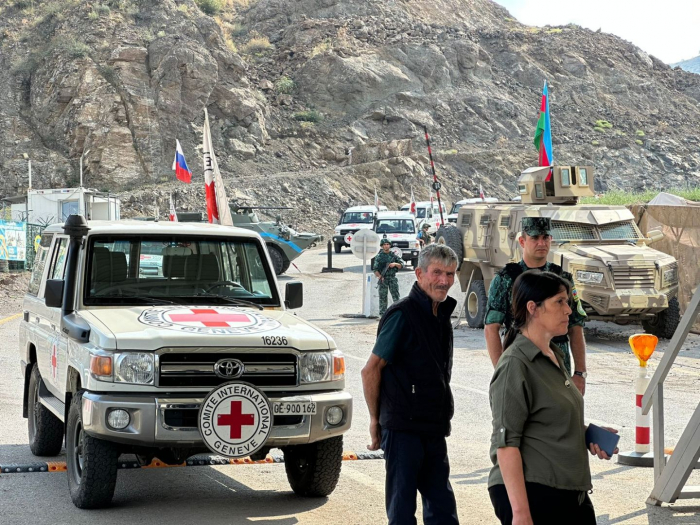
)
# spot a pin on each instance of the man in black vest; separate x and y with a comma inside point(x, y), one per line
point(535, 241)
point(407, 388)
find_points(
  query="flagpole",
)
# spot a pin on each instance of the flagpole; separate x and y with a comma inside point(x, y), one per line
point(436, 184)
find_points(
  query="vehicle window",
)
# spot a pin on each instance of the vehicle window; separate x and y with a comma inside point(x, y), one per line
point(192, 270)
point(522, 189)
point(566, 231)
point(364, 217)
point(619, 231)
point(582, 177)
point(420, 213)
point(538, 191)
point(565, 177)
point(395, 226)
point(58, 266)
point(455, 208)
point(40, 263)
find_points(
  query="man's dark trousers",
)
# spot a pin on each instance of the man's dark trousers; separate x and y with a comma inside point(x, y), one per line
point(416, 462)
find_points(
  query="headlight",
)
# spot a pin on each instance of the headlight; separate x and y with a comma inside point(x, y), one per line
point(671, 275)
point(589, 277)
point(134, 367)
point(315, 367)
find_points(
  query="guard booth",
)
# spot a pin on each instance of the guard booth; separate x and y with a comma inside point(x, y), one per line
point(671, 476)
point(55, 205)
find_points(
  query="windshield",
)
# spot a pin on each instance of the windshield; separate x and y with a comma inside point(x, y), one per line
point(137, 270)
point(364, 217)
point(575, 231)
point(455, 208)
point(395, 226)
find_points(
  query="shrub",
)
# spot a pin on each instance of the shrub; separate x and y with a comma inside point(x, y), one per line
point(639, 133)
point(238, 30)
point(183, 9)
point(210, 7)
point(448, 152)
point(554, 31)
point(639, 142)
point(108, 73)
point(26, 66)
point(285, 85)
point(92, 15)
point(258, 44)
point(599, 129)
point(102, 10)
point(603, 124)
point(230, 44)
point(308, 116)
point(595, 143)
point(160, 34)
point(321, 48)
point(133, 10)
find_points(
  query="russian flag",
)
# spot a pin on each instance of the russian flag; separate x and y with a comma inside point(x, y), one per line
point(182, 172)
point(543, 132)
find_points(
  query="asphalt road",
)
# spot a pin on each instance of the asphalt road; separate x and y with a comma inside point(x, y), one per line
point(260, 493)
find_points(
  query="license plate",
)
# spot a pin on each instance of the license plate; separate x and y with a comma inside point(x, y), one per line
point(288, 408)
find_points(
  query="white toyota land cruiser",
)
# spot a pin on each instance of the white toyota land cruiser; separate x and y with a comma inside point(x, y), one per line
point(200, 355)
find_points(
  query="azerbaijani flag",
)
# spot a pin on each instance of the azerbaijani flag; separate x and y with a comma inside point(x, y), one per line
point(543, 132)
point(182, 172)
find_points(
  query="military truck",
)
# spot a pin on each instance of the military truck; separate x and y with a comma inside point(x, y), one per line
point(619, 278)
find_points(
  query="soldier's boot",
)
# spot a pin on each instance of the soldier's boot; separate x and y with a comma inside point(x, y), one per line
point(383, 298)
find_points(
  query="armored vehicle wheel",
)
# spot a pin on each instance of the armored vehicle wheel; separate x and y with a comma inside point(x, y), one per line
point(476, 304)
point(286, 265)
point(91, 462)
point(45, 429)
point(338, 247)
point(313, 470)
point(450, 235)
point(278, 259)
point(666, 322)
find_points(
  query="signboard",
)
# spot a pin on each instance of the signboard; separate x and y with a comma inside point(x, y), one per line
point(13, 241)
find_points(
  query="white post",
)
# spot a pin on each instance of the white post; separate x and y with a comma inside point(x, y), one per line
point(29, 163)
point(81, 171)
point(364, 272)
point(643, 434)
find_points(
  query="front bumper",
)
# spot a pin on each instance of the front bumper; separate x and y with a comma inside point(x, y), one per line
point(625, 302)
point(148, 425)
point(340, 239)
point(408, 254)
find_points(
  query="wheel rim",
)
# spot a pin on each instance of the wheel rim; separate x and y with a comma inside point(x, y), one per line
point(78, 456)
point(302, 465)
point(472, 304)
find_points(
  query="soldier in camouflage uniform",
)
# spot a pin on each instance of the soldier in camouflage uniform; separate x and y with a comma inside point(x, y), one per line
point(535, 242)
point(388, 264)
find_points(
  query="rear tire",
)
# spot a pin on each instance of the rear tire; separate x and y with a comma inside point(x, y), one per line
point(45, 429)
point(91, 462)
point(665, 323)
point(278, 259)
point(313, 470)
point(338, 247)
point(475, 309)
point(451, 236)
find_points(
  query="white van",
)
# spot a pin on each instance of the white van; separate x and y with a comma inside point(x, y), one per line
point(454, 211)
point(353, 219)
point(401, 229)
point(427, 213)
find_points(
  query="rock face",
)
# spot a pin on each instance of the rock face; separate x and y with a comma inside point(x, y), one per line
point(315, 103)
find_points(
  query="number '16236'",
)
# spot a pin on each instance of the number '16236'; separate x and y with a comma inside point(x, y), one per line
point(273, 340)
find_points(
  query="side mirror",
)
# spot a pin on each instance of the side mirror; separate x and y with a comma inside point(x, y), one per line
point(294, 295)
point(53, 293)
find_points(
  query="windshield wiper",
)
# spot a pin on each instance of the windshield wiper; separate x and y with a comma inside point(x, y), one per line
point(145, 298)
point(232, 300)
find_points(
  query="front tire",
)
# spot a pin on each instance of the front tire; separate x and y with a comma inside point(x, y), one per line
point(91, 462)
point(665, 323)
point(313, 470)
point(475, 309)
point(278, 259)
point(45, 429)
point(338, 247)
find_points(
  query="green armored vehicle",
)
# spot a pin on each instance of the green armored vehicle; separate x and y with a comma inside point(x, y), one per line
point(619, 278)
point(283, 242)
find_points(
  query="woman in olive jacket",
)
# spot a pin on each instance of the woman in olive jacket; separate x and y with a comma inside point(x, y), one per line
point(538, 447)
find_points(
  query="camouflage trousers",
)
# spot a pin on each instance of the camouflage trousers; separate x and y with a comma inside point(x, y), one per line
point(388, 284)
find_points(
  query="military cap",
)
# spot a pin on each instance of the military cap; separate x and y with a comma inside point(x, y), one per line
point(384, 241)
point(425, 226)
point(536, 226)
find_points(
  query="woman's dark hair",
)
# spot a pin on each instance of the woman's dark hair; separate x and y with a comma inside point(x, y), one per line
point(533, 285)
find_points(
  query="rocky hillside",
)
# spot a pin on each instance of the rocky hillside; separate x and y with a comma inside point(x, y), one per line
point(691, 65)
point(315, 103)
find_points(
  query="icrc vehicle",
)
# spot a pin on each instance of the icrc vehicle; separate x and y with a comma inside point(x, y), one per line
point(352, 220)
point(401, 230)
point(618, 277)
point(200, 356)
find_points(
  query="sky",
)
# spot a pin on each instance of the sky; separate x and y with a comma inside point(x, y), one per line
point(667, 29)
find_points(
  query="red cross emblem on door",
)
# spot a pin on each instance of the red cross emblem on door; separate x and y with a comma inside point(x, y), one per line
point(54, 361)
point(236, 420)
point(210, 317)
